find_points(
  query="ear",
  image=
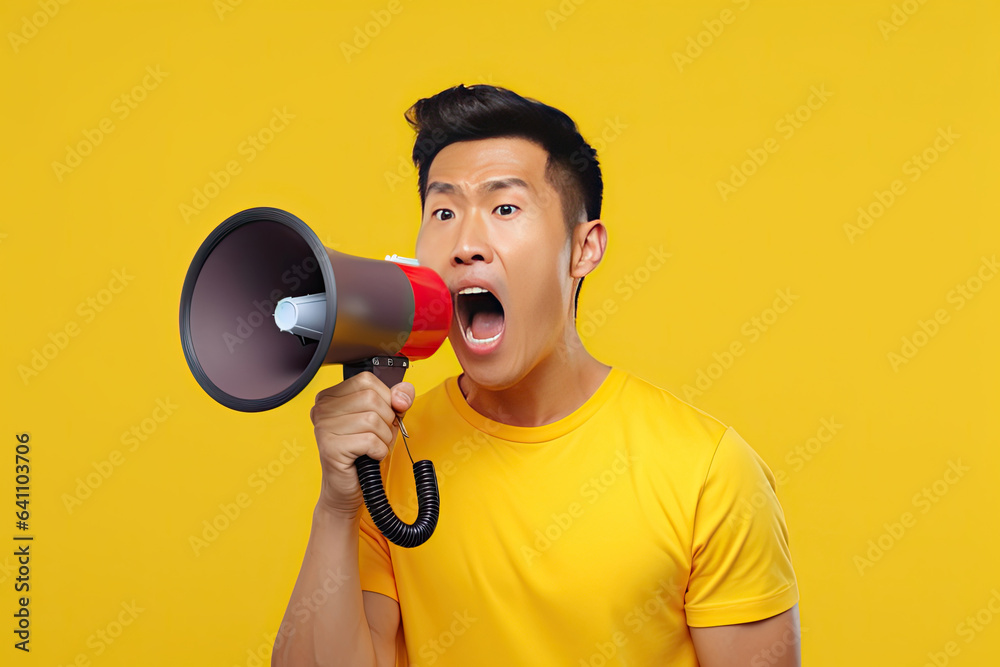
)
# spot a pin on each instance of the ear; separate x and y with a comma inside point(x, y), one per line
point(589, 240)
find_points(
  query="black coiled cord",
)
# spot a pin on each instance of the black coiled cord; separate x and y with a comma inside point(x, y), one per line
point(390, 371)
point(428, 503)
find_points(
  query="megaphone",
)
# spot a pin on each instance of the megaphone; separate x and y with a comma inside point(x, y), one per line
point(264, 305)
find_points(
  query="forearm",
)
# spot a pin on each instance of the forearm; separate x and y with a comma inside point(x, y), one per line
point(325, 621)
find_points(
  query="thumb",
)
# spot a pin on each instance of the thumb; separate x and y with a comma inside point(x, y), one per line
point(402, 397)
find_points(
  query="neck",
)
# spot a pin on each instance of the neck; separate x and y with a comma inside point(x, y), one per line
point(555, 388)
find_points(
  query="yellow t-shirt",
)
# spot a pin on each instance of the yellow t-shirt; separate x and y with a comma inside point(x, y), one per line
point(595, 540)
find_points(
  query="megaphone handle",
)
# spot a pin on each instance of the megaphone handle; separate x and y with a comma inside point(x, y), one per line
point(390, 370)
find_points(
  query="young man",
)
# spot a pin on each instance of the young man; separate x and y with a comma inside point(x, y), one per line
point(587, 517)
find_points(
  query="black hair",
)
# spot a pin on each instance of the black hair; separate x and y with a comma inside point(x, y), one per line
point(465, 113)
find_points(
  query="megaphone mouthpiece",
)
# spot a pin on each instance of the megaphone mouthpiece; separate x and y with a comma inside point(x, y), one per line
point(302, 315)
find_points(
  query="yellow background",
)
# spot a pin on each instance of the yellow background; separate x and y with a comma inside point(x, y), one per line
point(670, 133)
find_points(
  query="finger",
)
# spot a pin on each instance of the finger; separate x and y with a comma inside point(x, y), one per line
point(402, 397)
point(353, 446)
point(357, 424)
point(365, 380)
point(366, 400)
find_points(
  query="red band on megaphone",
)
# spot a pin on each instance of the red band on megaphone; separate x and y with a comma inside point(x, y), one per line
point(432, 312)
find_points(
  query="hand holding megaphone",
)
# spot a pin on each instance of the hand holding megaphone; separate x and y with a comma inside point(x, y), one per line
point(265, 305)
point(359, 416)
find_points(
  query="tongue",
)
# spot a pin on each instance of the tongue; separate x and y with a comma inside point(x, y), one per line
point(485, 325)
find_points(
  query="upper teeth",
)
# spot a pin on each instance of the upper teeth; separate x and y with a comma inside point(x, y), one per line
point(474, 290)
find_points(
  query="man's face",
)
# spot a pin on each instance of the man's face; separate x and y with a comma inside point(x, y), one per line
point(492, 222)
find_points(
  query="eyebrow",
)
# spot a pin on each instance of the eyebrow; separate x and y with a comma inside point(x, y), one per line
point(487, 187)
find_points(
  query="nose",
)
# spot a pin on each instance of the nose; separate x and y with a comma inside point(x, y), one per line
point(472, 243)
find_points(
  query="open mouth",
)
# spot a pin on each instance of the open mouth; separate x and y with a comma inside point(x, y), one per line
point(480, 314)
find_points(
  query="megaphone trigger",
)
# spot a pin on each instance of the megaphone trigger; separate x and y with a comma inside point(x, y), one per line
point(402, 429)
point(405, 436)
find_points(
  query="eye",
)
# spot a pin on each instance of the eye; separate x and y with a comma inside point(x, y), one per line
point(505, 209)
point(443, 214)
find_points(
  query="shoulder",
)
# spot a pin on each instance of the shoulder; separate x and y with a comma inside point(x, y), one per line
point(718, 444)
point(674, 440)
point(668, 413)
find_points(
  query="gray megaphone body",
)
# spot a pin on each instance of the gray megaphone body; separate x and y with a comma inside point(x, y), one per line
point(264, 305)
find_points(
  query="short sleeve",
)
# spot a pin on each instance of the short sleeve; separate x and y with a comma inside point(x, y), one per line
point(374, 560)
point(741, 563)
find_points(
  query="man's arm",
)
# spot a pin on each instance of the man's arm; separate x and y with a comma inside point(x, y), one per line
point(329, 619)
point(772, 642)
